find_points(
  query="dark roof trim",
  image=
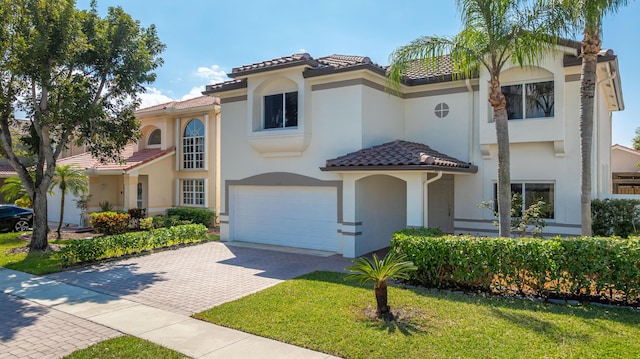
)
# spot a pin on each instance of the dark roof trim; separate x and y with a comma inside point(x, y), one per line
point(470, 169)
point(225, 86)
point(569, 61)
point(322, 71)
point(302, 62)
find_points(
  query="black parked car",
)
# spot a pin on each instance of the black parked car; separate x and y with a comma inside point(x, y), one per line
point(15, 219)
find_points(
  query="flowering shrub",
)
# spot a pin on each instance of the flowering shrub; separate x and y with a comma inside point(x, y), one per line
point(110, 222)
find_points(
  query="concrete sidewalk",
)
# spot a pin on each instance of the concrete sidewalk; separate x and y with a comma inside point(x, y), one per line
point(181, 333)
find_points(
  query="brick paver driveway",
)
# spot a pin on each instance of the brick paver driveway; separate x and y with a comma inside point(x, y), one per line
point(189, 280)
point(184, 281)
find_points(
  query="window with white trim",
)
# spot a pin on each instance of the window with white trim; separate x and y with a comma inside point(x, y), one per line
point(193, 192)
point(281, 110)
point(529, 100)
point(528, 193)
point(193, 145)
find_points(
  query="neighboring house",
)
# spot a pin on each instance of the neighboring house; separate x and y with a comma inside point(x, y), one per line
point(175, 163)
point(320, 153)
point(625, 171)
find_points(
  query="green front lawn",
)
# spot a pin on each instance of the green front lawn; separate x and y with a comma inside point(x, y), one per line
point(125, 347)
point(35, 263)
point(322, 311)
point(38, 263)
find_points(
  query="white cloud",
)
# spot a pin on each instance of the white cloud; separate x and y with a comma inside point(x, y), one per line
point(212, 75)
point(153, 97)
point(195, 92)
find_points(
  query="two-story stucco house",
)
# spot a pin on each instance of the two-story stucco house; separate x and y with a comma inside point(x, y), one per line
point(319, 152)
point(175, 163)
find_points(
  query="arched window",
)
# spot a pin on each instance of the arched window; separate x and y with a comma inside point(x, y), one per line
point(193, 145)
point(154, 137)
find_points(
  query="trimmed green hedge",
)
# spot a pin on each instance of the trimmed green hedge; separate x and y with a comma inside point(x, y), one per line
point(598, 268)
point(615, 217)
point(88, 250)
point(195, 215)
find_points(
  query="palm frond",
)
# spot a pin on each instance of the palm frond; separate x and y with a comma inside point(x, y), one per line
point(393, 265)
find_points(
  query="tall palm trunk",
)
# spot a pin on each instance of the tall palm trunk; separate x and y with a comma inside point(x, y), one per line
point(61, 211)
point(499, 104)
point(380, 290)
point(590, 47)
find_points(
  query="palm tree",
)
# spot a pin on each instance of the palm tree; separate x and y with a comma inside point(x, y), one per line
point(379, 271)
point(68, 178)
point(14, 190)
point(494, 33)
point(587, 15)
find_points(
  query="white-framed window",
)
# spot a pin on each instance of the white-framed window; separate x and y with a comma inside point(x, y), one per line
point(527, 193)
point(193, 145)
point(529, 100)
point(193, 192)
point(155, 137)
point(281, 110)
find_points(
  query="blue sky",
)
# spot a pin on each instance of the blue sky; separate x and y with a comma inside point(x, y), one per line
point(206, 38)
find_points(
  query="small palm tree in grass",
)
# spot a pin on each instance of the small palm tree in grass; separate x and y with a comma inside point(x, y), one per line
point(68, 178)
point(378, 271)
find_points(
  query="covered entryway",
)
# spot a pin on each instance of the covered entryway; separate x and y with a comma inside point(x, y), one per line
point(295, 216)
point(392, 186)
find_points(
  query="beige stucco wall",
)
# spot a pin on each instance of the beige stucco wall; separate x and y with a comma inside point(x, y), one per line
point(624, 160)
point(106, 189)
point(160, 184)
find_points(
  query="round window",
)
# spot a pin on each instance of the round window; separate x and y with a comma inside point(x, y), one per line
point(442, 110)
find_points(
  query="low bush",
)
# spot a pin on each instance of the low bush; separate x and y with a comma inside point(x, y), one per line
point(88, 250)
point(615, 217)
point(164, 221)
point(135, 215)
point(593, 268)
point(194, 215)
point(110, 222)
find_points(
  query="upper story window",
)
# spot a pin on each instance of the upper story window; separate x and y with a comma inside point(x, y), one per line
point(154, 137)
point(529, 100)
point(281, 110)
point(193, 145)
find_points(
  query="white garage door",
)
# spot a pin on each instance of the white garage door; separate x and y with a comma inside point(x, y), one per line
point(304, 217)
point(71, 212)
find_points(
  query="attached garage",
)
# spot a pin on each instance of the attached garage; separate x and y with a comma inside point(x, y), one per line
point(294, 216)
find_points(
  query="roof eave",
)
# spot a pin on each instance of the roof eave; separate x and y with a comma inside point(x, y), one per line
point(224, 88)
point(444, 169)
point(243, 73)
point(315, 72)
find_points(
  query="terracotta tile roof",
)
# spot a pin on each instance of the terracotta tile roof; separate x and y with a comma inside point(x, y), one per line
point(201, 101)
point(227, 85)
point(398, 155)
point(7, 171)
point(280, 62)
point(132, 159)
point(431, 71)
point(338, 61)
